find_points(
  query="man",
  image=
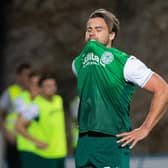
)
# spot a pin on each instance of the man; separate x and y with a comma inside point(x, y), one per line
point(106, 83)
point(21, 104)
point(8, 115)
point(42, 141)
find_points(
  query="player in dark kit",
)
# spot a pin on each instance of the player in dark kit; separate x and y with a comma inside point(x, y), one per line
point(106, 82)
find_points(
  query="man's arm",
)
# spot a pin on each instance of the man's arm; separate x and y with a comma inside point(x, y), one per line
point(10, 137)
point(21, 126)
point(5, 108)
point(159, 88)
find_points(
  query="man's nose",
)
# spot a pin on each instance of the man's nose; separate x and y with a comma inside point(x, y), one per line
point(92, 33)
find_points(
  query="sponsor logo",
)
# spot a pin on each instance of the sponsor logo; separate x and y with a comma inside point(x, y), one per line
point(91, 59)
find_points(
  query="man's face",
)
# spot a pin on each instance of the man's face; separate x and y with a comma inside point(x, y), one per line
point(97, 29)
point(23, 78)
point(48, 87)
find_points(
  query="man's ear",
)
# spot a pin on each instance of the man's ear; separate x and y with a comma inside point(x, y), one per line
point(112, 36)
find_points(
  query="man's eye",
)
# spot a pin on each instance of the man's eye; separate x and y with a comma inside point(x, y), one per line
point(99, 30)
point(89, 30)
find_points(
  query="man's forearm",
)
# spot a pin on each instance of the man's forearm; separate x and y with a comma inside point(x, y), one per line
point(158, 108)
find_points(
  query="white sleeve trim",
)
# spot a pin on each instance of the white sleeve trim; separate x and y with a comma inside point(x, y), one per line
point(137, 72)
point(73, 68)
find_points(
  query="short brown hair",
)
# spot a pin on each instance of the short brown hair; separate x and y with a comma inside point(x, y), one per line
point(110, 19)
point(46, 76)
point(20, 68)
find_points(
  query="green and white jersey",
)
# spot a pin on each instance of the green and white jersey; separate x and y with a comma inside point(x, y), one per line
point(104, 93)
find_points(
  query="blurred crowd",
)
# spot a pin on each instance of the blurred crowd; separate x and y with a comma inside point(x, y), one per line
point(32, 125)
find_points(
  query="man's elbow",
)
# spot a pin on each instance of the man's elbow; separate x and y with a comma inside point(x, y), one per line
point(164, 92)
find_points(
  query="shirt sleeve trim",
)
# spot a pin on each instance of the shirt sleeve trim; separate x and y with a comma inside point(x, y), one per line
point(147, 79)
point(73, 68)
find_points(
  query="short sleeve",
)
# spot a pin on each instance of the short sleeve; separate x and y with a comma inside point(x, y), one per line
point(5, 101)
point(19, 105)
point(31, 111)
point(137, 72)
point(76, 65)
point(73, 68)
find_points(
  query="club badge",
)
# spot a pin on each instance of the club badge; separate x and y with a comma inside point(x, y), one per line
point(107, 57)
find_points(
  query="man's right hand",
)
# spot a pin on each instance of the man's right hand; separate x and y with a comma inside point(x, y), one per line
point(41, 145)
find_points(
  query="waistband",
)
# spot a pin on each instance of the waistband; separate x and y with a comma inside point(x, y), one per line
point(94, 134)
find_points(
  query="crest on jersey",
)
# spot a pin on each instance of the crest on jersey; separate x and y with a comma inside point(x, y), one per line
point(107, 57)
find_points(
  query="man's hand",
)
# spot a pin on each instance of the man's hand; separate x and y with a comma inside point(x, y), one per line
point(10, 137)
point(41, 145)
point(132, 137)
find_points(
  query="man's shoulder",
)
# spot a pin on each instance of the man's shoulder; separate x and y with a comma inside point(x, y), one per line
point(38, 98)
point(24, 94)
point(58, 97)
point(120, 55)
point(119, 52)
point(77, 58)
point(14, 86)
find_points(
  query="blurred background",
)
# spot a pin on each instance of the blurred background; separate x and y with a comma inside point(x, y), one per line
point(50, 33)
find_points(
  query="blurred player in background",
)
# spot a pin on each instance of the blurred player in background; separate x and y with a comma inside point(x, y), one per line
point(8, 115)
point(42, 127)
